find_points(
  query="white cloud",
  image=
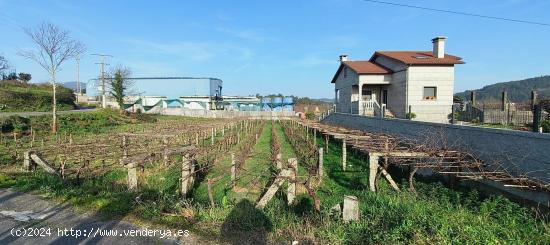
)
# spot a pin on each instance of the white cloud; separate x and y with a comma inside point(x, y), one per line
point(248, 35)
point(195, 51)
point(192, 50)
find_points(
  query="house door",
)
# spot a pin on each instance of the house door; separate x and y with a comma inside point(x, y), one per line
point(366, 93)
point(385, 96)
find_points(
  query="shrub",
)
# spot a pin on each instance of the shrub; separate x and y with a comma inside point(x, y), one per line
point(14, 123)
point(410, 115)
point(545, 126)
point(310, 115)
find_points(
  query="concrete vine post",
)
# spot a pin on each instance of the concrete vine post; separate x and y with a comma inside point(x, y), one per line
point(185, 175)
point(373, 170)
point(165, 151)
point(351, 209)
point(132, 176)
point(212, 137)
point(344, 155)
point(326, 143)
point(233, 170)
point(291, 191)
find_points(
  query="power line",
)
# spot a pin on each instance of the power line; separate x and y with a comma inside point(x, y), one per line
point(459, 13)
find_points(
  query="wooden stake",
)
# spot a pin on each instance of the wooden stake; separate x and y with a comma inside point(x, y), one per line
point(320, 165)
point(389, 178)
point(233, 170)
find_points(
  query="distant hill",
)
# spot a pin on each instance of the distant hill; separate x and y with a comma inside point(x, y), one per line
point(17, 96)
point(72, 86)
point(518, 91)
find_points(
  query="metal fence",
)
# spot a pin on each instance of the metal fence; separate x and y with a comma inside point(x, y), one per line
point(508, 114)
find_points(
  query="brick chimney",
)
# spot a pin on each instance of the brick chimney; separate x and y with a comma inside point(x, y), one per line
point(343, 57)
point(439, 46)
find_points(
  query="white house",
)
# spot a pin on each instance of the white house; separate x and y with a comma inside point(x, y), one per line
point(419, 81)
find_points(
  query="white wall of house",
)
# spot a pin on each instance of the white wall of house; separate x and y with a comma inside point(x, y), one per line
point(397, 91)
point(344, 85)
point(375, 79)
point(441, 77)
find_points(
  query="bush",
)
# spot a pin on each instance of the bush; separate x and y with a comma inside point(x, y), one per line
point(545, 126)
point(410, 115)
point(310, 115)
point(14, 123)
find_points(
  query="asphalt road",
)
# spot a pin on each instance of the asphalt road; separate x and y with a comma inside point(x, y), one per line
point(40, 113)
point(42, 215)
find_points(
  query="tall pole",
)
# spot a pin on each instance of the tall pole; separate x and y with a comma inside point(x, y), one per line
point(102, 77)
point(103, 97)
point(78, 88)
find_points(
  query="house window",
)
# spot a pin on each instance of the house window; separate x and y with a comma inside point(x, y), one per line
point(430, 93)
point(345, 72)
point(337, 96)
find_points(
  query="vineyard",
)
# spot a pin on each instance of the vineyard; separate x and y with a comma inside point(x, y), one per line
point(248, 181)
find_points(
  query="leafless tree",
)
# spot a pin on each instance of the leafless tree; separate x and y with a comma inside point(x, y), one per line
point(53, 47)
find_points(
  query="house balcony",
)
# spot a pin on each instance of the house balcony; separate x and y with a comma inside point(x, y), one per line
point(371, 108)
point(365, 107)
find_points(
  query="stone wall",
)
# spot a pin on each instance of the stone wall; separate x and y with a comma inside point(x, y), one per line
point(518, 152)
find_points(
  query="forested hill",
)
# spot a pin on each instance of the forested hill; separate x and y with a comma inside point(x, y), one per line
point(518, 91)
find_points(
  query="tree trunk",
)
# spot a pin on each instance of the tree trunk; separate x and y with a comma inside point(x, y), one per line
point(54, 109)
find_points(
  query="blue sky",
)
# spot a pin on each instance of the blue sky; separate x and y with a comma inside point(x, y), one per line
point(288, 47)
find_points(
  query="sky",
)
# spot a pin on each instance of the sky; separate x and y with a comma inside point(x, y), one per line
point(284, 46)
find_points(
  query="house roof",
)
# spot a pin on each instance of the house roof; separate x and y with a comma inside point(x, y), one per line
point(361, 68)
point(366, 67)
point(418, 57)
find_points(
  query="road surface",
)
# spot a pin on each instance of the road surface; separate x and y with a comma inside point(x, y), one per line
point(40, 113)
point(22, 213)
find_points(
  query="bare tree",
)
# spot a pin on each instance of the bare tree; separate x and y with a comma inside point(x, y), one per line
point(54, 46)
point(120, 84)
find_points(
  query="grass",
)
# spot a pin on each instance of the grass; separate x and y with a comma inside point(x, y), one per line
point(436, 214)
point(286, 148)
point(17, 96)
point(256, 170)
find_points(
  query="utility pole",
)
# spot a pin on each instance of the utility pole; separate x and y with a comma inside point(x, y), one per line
point(102, 78)
point(78, 88)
